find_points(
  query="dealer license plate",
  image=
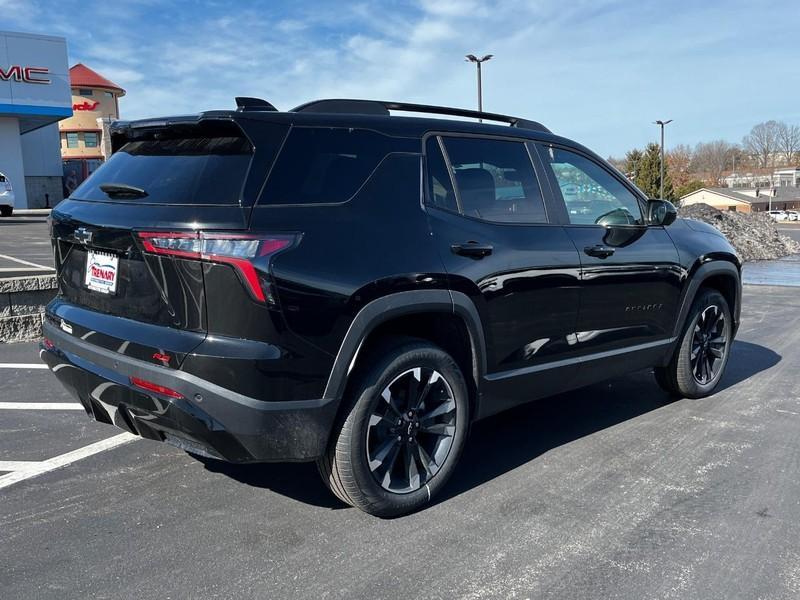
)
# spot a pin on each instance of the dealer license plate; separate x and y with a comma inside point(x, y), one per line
point(102, 270)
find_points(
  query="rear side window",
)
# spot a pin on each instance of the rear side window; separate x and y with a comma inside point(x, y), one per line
point(495, 180)
point(202, 168)
point(440, 187)
point(327, 165)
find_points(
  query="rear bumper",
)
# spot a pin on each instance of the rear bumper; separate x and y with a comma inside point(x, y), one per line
point(207, 420)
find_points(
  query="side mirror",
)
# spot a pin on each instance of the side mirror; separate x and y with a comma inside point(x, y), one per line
point(661, 212)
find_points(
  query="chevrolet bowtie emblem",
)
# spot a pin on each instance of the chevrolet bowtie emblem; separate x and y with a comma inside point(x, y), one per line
point(83, 235)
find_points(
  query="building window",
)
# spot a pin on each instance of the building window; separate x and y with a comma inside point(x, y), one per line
point(108, 94)
point(72, 140)
point(90, 139)
point(85, 92)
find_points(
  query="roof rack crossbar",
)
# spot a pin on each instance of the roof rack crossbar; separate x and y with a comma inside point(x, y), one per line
point(379, 107)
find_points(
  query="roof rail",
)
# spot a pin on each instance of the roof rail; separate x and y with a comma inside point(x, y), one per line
point(245, 103)
point(379, 107)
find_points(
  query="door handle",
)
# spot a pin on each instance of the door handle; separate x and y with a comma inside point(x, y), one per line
point(472, 249)
point(599, 251)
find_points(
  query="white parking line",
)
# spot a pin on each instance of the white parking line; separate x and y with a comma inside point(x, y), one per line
point(23, 366)
point(40, 406)
point(18, 465)
point(36, 469)
point(25, 262)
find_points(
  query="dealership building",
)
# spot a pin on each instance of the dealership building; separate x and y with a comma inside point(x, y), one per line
point(85, 142)
point(34, 97)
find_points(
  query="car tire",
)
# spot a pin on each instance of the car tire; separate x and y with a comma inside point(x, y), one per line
point(6, 211)
point(699, 361)
point(401, 430)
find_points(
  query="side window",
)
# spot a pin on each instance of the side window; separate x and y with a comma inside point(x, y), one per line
point(440, 187)
point(328, 165)
point(592, 195)
point(495, 180)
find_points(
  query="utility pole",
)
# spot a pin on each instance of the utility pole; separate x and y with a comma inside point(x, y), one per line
point(474, 59)
point(662, 124)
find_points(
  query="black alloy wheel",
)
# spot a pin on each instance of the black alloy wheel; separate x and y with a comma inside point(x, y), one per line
point(709, 344)
point(698, 362)
point(410, 433)
point(401, 428)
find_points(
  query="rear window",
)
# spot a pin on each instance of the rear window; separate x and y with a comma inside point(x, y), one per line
point(201, 167)
point(328, 165)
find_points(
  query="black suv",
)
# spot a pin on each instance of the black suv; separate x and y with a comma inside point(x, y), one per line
point(339, 285)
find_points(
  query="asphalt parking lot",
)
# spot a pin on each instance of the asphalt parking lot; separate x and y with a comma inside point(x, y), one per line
point(614, 491)
point(25, 246)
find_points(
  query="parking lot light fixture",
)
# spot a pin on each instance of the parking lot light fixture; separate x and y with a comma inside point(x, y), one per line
point(662, 124)
point(478, 61)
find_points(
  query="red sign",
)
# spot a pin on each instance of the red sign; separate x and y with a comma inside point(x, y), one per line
point(86, 105)
point(25, 74)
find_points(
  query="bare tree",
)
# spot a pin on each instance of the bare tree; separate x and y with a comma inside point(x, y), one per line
point(788, 141)
point(679, 160)
point(762, 143)
point(712, 158)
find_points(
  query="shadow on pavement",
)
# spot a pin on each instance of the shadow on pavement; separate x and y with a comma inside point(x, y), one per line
point(501, 443)
point(746, 360)
point(299, 481)
point(508, 440)
point(21, 221)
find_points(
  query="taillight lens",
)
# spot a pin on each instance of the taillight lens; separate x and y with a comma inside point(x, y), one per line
point(244, 252)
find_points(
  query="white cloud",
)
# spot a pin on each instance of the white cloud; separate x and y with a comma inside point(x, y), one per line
point(597, 70)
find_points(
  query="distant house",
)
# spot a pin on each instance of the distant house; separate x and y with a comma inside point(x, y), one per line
point(745, 200)
point(783, 177)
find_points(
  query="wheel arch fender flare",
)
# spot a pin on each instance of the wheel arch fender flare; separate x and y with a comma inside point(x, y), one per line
point(399, 304)
point(702, 274)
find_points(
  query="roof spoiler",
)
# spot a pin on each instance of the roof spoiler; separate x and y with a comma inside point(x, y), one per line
point(245, 103)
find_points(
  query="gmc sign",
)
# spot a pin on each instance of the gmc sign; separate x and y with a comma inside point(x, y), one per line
point(25, 74)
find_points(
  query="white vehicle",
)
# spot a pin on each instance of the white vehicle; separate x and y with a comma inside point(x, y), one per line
point(6, 197)
point(778, 215)
point(793, 215)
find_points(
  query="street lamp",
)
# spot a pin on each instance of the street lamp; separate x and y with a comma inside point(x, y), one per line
point(474, 59)
point(662, 124)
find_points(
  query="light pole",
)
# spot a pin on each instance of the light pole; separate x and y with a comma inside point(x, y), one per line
point(474, 59)
point(662, 124)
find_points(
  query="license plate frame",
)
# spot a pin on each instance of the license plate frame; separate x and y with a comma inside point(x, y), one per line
point(102, 272)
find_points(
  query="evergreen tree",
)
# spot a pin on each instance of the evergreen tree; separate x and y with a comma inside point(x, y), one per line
point(648, 174)
point(632, 160)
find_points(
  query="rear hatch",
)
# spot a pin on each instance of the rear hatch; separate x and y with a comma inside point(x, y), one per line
point(129, 241)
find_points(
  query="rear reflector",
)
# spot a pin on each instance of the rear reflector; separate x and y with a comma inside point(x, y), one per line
point(244, 252)
point(154, 387)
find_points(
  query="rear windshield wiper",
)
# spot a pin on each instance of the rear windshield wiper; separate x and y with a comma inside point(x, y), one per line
point(122, 190)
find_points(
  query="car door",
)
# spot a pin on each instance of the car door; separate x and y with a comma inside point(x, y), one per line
point(630, 272)
point(490, 223)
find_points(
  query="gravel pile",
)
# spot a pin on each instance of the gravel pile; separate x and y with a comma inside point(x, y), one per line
point(753, 235)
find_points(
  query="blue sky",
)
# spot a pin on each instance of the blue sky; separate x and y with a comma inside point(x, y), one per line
point(598, 71)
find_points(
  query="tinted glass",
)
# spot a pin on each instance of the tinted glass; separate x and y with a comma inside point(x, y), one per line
point(440, 186)
point(327, 165)
point(90, 140)
point(72, 140)
point(178, 170)
point(495, 180)
point(591, 194)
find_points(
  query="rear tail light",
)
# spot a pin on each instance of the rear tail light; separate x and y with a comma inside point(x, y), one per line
point(248, 254)
point(154, 387)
